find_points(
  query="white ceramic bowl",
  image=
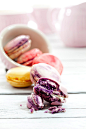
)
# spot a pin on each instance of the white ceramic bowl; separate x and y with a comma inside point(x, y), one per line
point(39, 40)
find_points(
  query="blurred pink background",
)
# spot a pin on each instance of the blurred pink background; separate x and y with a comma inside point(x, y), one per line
point(39, 18)
point(69, 23)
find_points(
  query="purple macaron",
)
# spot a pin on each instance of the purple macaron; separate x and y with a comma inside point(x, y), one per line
point(34, 102)
point(17, 46)
point(51, 91)
point(43, 70)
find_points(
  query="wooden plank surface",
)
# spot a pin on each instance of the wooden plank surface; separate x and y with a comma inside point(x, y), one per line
point(52, 123)
point(12, 115)
point(15, 106)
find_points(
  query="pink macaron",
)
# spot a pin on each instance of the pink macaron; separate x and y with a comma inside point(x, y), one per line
point(51, 60)
point(28, 57)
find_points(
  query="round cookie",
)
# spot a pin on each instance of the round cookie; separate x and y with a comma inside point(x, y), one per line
point(28, 57)
point(17, 46)
point(51, 60)
point(19, 76)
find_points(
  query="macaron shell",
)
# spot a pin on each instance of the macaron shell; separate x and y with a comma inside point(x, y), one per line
point(20, 84)
point(19, 76)
point(51, 60)
point(28, 63)
point(14, 42)
point(28, 56)
point(44, 70)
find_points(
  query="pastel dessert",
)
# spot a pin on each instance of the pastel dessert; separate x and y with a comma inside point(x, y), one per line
point(27, 58)
point(51, 91)
point(43, 70)
point(49, 59)
point(55, 109)
point(19, 76)
point(34, 102)
point(17, 46)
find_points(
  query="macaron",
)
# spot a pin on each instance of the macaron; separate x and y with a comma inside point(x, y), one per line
point(43, 70)
point(17, 46)
point(51, 60)
point(28, 57)
point(34, 101)
point(19, 76)
point(51, 91)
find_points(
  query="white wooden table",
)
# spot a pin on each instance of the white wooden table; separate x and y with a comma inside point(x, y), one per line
point(14, 113)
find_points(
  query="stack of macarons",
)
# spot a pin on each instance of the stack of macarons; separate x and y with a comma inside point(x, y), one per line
point(18, 49)
point(47, 86)
point(41, 69)
point(25, 76)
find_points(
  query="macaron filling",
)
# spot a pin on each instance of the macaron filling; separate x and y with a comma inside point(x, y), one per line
point(28, 63)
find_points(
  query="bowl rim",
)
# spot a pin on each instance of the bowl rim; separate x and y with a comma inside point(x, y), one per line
point(16, 26)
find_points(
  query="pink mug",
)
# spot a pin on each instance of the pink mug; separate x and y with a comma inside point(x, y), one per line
point(71, 25)
point(9, 17)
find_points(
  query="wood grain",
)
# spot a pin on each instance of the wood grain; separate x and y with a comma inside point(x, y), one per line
point(52, 123)
point(14, 106)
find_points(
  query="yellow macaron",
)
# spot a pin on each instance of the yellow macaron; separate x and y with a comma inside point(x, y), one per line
point(19, 76)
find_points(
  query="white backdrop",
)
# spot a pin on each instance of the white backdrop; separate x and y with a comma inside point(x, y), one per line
point(25, 4)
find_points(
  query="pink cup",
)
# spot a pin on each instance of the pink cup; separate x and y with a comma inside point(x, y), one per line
point(11, 17)
point(72, 25)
